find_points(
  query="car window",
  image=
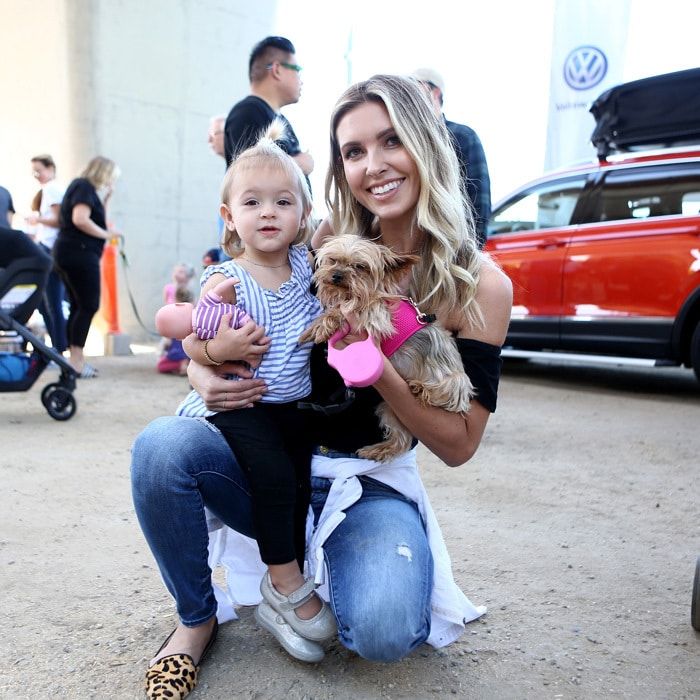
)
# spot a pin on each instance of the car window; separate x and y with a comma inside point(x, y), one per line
point(546, 206)
point(640, 193)
point(690, 204)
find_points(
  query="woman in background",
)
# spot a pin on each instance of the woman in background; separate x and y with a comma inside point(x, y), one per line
point(78, 248)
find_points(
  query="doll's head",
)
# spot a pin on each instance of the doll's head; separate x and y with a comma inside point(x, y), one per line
point(174, 320)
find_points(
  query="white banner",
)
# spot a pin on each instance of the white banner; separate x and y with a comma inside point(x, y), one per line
point(588, 52)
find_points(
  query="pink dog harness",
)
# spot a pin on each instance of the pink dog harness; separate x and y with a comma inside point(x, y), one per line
point(361, 363)
point(407, 320)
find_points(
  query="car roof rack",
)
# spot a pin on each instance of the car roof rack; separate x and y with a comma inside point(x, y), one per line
point(655, 112)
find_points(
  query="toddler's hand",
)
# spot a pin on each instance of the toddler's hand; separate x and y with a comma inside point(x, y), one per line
point(246, 344)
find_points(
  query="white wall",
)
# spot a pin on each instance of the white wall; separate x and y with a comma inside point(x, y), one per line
point(136, 82)
point(163, 68)
point(36, 95)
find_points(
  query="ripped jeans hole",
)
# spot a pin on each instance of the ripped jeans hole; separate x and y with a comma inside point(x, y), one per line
point(403, 550)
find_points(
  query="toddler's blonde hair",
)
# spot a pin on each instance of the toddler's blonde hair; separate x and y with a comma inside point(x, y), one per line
point(267, 154)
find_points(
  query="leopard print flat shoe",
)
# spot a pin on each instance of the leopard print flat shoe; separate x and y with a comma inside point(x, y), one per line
point(174, 677)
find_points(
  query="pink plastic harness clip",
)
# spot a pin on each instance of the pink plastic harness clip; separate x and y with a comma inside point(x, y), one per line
point(359, 364)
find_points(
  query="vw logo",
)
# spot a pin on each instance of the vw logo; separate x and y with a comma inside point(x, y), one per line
point(585, 67)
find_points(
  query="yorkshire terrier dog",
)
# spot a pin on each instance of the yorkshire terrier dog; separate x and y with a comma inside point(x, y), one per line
point(360, 280)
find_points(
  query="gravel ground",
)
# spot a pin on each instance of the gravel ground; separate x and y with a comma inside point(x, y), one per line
point(577, 524)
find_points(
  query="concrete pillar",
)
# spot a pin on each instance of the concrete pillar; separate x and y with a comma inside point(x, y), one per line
point(136, 82)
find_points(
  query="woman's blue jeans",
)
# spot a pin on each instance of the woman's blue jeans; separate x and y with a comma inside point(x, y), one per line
point(379, 563)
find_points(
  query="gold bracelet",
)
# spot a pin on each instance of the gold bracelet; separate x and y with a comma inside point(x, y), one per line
point(208, 356)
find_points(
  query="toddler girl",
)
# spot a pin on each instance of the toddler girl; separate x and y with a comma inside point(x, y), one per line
point(266, 207)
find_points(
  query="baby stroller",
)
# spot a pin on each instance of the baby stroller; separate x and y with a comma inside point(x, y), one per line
point(22, 282)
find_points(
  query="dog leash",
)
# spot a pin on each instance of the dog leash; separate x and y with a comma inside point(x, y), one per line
point(125, 268)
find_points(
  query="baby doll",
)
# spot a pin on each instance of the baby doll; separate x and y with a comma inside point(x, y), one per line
point(173, 359)
point(179, 320)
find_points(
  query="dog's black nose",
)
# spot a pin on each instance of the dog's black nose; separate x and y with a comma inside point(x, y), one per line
point(337, 277)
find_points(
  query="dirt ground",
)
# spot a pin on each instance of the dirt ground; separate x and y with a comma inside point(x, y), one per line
point(577, 524)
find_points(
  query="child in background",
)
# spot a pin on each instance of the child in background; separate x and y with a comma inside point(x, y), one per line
point(211, 257)
point(173, 359)
point(182, 277)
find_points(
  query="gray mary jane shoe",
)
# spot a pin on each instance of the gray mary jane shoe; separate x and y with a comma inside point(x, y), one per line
point(296, 645)
point(320, 627)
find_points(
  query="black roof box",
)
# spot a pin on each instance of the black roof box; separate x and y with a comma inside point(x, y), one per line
point(660, 111)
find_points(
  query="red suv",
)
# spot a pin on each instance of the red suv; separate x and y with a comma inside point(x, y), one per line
point(605, 258)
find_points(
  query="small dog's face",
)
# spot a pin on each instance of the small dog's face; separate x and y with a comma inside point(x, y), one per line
point(354, 271)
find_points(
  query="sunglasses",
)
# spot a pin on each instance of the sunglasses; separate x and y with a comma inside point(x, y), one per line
point(292, 66)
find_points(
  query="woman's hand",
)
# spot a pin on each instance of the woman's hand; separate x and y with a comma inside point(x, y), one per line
point(353, 334)
point(221, 394)
point(246, 344)
point(32, 219)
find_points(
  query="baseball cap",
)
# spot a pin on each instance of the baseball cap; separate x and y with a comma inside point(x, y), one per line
point(428, 75)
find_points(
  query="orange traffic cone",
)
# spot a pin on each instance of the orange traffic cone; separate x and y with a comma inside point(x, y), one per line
point(109, 298)
point(116, 342)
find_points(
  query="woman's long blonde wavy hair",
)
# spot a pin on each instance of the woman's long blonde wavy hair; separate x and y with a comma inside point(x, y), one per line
point(448, 273)
point(266, 154)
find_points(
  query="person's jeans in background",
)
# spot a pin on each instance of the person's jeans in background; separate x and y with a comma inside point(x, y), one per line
point(51, 309)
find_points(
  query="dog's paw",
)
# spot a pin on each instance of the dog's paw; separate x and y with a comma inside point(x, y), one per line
point(317, 332)
point(307, 336)
point(380, 452)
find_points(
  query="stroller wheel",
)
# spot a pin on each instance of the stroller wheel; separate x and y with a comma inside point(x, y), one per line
point(59, 402)
point(695, 606)
point(46, 391)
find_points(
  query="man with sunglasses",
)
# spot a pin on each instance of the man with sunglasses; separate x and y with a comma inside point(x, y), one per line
point(275, 81)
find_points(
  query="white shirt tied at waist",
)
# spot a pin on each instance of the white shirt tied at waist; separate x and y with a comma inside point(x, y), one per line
point(450, 608)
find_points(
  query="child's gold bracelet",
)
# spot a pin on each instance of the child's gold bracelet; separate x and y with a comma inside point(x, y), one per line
point(208, 357)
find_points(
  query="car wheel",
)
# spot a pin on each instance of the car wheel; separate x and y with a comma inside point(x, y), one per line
point(695, 605)
point(695, 351)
